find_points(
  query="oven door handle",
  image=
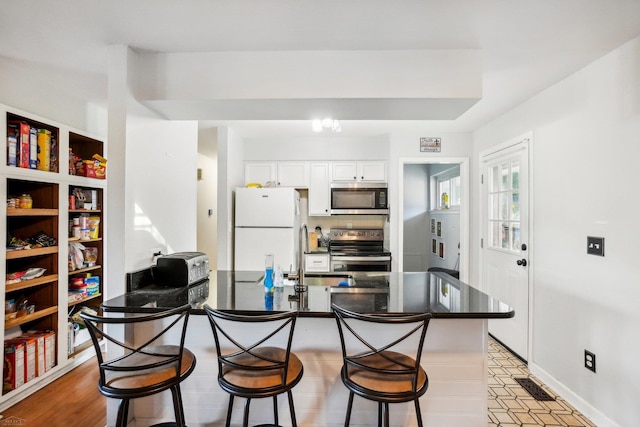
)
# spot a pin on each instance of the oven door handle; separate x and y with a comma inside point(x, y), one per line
point(356, 290)
point(341, 258)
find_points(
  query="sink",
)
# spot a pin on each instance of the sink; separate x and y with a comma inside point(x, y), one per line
point(329, 279)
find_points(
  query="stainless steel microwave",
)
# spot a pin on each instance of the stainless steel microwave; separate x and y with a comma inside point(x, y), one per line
point(359, 198)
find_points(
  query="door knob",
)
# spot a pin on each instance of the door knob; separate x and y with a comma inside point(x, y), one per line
point(522, 262)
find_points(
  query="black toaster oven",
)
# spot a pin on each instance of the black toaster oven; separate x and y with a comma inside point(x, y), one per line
point(181, 269)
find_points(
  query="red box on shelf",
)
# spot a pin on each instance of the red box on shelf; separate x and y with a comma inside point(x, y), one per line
point(93, 169)
point(29, 344)
point(13, 372)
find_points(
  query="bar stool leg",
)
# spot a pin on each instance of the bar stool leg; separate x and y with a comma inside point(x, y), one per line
point(228, 422)
point(349, 405)
point(385, 410)
point(294, 423)
point(179, 393)
point(177, 407)
point(245, 423)
point(275, 410)
point(418, 413)
point(123, 413)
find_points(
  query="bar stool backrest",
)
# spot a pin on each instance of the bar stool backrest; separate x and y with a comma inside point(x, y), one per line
point(380, 337)
point(248, 338)
point(158, 348)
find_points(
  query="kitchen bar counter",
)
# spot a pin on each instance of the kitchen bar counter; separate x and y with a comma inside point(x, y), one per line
point(437, 293)
point(454, 356)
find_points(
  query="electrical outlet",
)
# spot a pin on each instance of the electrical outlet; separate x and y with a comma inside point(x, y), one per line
point(595, 245)
point(155, 253)
point(590, 360)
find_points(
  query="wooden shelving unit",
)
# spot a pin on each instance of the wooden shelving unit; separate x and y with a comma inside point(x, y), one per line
point(49, 214)
point(93, 196)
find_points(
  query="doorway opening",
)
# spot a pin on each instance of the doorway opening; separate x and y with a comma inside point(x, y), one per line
point(434, 214)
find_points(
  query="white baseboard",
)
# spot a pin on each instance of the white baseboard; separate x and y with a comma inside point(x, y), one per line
point(584, 407)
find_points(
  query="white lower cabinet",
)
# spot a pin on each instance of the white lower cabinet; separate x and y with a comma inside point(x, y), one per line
point(316, 263)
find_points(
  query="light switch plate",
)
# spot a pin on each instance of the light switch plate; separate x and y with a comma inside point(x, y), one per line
point(595, 245)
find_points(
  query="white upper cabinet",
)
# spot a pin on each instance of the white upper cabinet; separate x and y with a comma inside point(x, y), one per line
point(259, 172)
point(293, 174)
point(375, 170)
point(344, 171)
point(319, 191)
point(284, 174)
point(372, 171)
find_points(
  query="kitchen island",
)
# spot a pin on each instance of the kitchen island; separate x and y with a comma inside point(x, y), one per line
point(455, 355)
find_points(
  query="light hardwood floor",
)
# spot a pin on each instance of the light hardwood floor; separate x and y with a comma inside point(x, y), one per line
point(70, 401)
point(74, 400)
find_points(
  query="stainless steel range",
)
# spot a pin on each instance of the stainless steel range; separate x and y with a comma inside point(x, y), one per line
point(358, 250)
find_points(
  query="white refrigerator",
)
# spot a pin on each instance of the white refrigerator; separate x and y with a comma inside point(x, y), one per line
point(267, 220)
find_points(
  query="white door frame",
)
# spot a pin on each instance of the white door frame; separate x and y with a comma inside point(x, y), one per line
point(531, 243)
point(464, 208)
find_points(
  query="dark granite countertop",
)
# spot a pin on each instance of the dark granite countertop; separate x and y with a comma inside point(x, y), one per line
point(437, 293)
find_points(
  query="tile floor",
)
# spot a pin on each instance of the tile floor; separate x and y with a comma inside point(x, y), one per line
point(510, 405)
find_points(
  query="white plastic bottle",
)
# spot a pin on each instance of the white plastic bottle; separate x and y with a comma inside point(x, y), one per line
point(278, 277)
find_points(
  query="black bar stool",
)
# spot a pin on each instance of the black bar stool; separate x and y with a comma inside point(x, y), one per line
point(157, 364)
point(372, 368)
point(257, 363)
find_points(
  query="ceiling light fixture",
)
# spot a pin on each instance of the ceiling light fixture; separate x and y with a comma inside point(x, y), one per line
point(318, 125)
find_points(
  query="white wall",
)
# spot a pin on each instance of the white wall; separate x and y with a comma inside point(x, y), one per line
point(60, 94)
point(207, 227)
point(230, 176)
point(161, 188)
point(317, 148)
point(152, 183)
point(585, 172)
point(416, 218)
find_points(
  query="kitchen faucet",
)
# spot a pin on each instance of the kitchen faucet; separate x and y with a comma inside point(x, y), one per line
point(303, 237)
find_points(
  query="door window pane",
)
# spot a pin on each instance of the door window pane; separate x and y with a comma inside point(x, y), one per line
point(504, 206)
point(515, 237)
point(504, 238)
point(515, 206)
point(494, 229)
point(515, 176)
point(504, 173)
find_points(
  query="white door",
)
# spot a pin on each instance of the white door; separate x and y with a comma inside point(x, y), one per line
point(505, 240)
